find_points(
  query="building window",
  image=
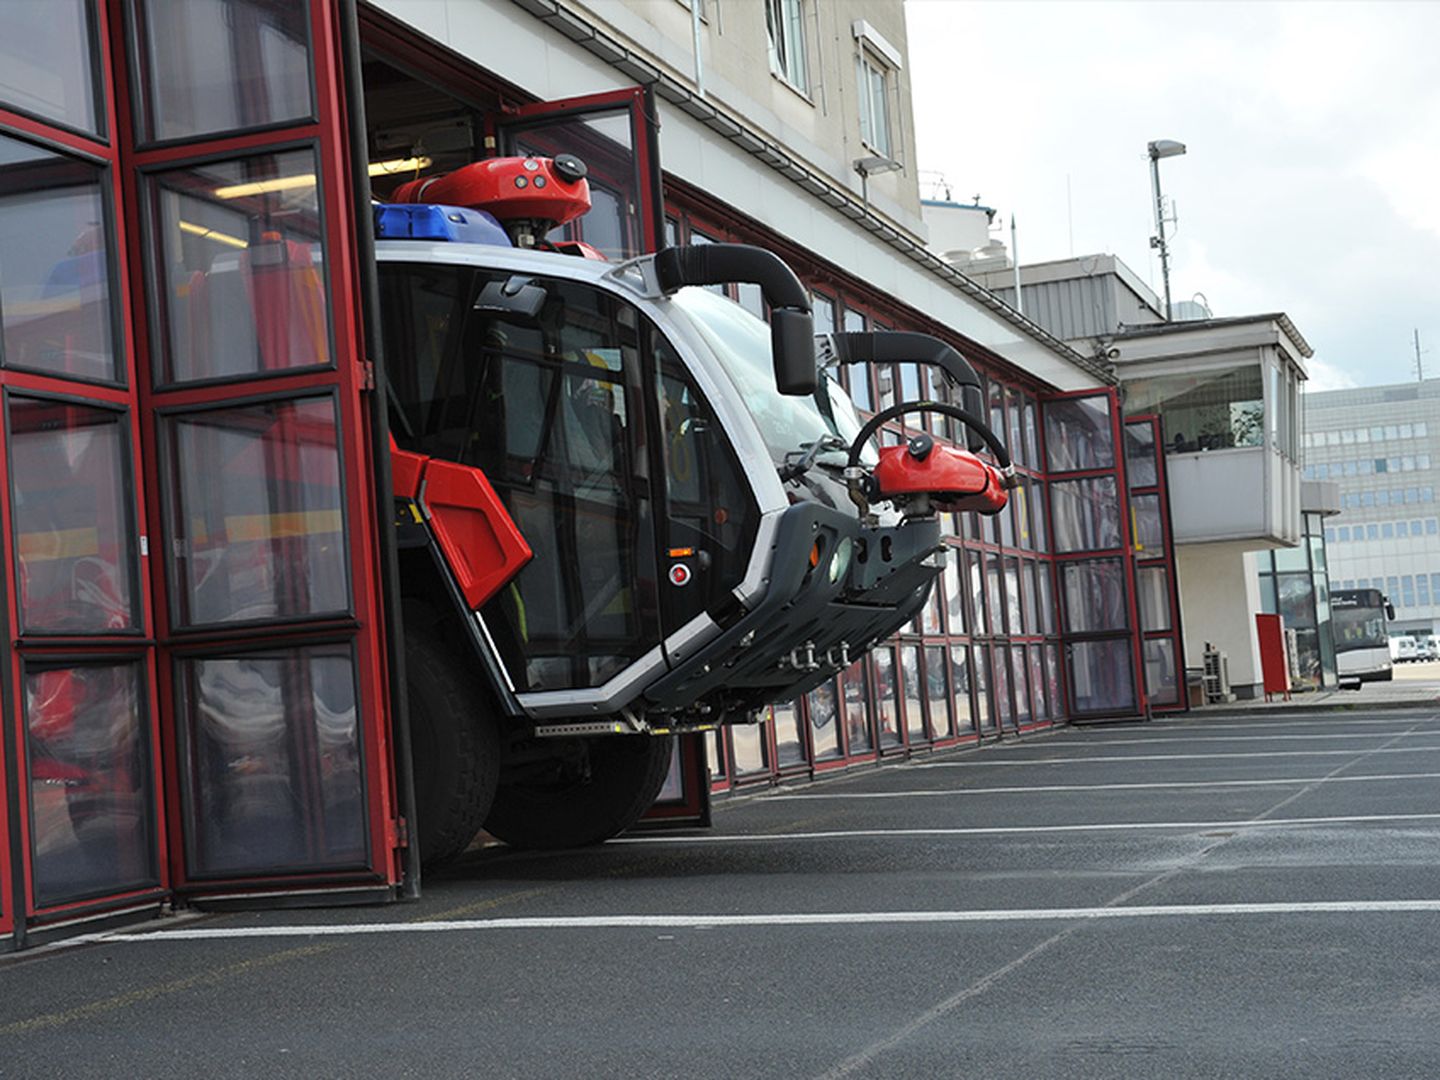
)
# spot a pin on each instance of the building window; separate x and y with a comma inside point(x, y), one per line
point(785, 22)
point(1213, 410)
point(874, 80)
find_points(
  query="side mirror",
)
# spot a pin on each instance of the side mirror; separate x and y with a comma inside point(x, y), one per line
point(792, 329)
point(1389, 611)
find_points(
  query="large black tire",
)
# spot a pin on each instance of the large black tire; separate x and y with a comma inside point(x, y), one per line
point(589, 791)
point(455, 746)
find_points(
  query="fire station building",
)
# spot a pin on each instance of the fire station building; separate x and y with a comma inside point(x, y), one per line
point(198, 689)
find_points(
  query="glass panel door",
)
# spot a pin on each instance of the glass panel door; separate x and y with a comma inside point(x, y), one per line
point(268, 607)
point(615, 135)
point(1090, 533)
point(1163, 649)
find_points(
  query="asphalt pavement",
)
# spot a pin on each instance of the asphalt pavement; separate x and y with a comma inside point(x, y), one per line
point(1256, 896)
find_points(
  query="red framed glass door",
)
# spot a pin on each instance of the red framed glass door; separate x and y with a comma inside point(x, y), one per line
point(79, 760)
point(1157, 586)
point(1094, 557)
point(255, 419)
point(616, 135)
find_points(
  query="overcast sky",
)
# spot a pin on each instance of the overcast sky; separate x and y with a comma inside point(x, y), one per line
point(1312, 181)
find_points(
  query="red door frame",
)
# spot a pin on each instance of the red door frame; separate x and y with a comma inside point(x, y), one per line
point(346, 379)
point(1125, 553)
point(1166, 559)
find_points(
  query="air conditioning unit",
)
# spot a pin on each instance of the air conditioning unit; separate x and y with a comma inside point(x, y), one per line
point(1217, 676)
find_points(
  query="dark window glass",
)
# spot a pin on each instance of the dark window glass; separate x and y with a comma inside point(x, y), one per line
point(998, 608)
point(210, 66)
point(256, 513)
point(1002, 685)
point(91, 800)
point(1101, 676)
point(954, 596)
point(1078, 435)
point(1052, 680)
point(974, 571)
point(1045, 598)
point(1031, 590)
point(857, 708)
point(54, 264)
point(240, 268)
point(74, 531)
point(274, 777)
point(46, 61)
point(1140, 455)
point(1012, 597)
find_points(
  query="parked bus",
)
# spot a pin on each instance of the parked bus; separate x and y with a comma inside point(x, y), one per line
point(1362, 644)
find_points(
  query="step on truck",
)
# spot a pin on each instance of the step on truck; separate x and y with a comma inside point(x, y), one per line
point(626, 507)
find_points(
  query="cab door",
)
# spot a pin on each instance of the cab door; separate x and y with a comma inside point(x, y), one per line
point(616, 134)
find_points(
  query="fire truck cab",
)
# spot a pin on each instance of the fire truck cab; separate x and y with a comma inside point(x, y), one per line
point(626, 507)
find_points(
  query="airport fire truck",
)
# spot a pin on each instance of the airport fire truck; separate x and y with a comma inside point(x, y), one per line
point(627, 508)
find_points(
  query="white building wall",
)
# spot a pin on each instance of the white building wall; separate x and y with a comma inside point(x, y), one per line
point(1219, 596)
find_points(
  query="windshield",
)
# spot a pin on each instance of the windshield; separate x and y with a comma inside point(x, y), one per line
point(1358, 627)
point(787, 424)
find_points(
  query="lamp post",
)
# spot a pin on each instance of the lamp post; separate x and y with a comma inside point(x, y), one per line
point(1162, 148)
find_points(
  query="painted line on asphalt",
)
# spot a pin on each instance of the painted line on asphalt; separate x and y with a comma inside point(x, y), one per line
point(1024, 830)
point(1171, 740)
point(1156, 786)
point(991, 757)
point(822, 918)
point(1197, 720)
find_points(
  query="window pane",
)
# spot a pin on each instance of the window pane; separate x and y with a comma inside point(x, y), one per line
point(90, 789)
point(748, 743)
point(1086, 514)
point(824, 732)
point(242, 289)
point(887, 709)
point(46, 61)
point(1037, 683)
point(1162, 686)
point(937, 684)
point(789, 747)
point(74, 530)
point(1101, 676)
point(256, 513)
point(981, 672)
point(857, 708)
point(1140, 455)
point(954, 597)
point(1211, 410)
point(1149, 528)
point(1154, 586)
point(1078, 436)
point(1019, 671)
point(222, 65)
point(272, 759)
point(960, 684)
point(54, 264)
point(1002, 686)
point(1094, 596)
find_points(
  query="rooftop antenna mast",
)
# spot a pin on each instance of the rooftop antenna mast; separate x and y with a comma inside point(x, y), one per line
point(1419, 365)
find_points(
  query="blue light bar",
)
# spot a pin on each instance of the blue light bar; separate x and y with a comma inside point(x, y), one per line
point(429, 221)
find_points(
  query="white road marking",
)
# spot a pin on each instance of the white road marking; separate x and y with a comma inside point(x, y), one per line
point(1158, 786)
point(1170, 740)
point(821, 918)
point(1197, 720)
point(991, 757)
point(1021, 830)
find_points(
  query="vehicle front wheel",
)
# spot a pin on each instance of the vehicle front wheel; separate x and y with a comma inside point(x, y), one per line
point(455, 746)
point(585, 791)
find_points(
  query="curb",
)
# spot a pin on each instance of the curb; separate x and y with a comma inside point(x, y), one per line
point(1296, 705)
